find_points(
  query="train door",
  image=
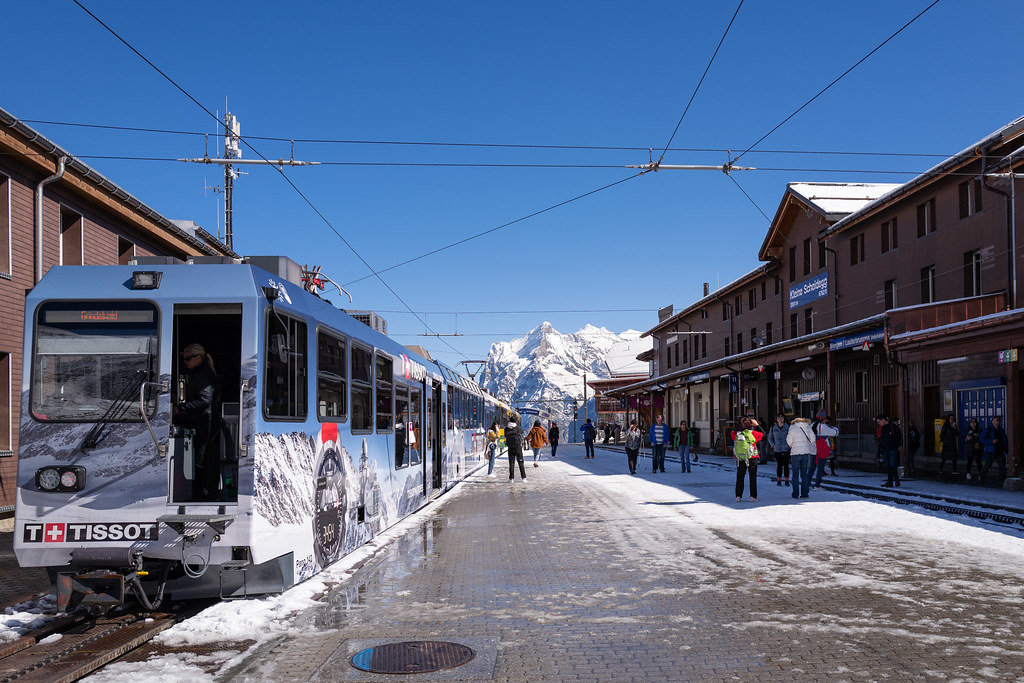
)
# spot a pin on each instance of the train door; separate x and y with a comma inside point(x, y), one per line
point(418, 433)
point(203, 460)
point(436, 424)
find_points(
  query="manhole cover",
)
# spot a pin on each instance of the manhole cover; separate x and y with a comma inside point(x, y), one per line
point(412, 657)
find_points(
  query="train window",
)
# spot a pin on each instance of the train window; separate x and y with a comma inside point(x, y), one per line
point(402, 426)
point(415, 433)
point(362, 388)
point(331, 377)
point(384, 383)
point(90, 360)
point(286, 372)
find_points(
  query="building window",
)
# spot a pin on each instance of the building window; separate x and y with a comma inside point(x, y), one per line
point(677, 354)
point(764, 290)
point(739, 342)
point(726, 345)
point(792, 264)
point(696, 347)
point(970, 197)
point(70, 237)
point(738, 302)
point(686, 355)
point(753, 338)
point(972, 273)
point(5, 402)
point(807, 256)
point(926, 218)
point(808, 321)
point(860, 386)
point(778, 286)
point(752, 299)
point(5, 225)
point(726, 312)
point(331, 377)
point(767, 333)
point(125, 251)
point(703, 346)
point(928, 284)
point(889, 241)
point(856, 249)
point(794, 332)
point(822, 260)
point(889, 294)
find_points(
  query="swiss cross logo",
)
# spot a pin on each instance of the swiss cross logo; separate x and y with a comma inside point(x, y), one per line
point(54, 533)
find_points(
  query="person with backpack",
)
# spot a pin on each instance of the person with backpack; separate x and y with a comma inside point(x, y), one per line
point(745, 452)
point(802, 448)
point(995, 441)
point(825, 435)
point(589, 434)
point(514, 443)
point(889, 442)
point(777, 434)
point(491, 448)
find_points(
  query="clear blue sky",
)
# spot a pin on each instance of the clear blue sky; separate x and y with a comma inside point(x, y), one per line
point(579, 74)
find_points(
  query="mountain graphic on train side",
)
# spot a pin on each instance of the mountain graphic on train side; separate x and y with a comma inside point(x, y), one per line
point(545, 368)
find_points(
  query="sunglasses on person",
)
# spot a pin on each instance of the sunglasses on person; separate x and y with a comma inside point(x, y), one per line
point(190, 357)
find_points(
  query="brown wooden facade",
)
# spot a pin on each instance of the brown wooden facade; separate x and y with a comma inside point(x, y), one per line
point(898, 299)
point(86, 220)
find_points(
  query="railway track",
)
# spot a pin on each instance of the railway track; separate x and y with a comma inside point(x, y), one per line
point(75, 645)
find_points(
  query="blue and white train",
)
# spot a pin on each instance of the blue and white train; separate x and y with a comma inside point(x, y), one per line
point(331, 431)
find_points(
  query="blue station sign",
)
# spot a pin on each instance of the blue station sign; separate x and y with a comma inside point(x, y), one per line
point(859, 339)
point(808, 291)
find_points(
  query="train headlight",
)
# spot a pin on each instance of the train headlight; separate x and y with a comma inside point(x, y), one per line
point(61, 479)
point(48, 479)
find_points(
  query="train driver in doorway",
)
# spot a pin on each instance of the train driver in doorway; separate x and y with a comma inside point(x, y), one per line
point(198, 409)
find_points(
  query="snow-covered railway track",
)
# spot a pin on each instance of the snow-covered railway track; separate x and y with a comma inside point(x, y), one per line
point(974, 510)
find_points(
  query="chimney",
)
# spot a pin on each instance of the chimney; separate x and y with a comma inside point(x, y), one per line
point(707, 289)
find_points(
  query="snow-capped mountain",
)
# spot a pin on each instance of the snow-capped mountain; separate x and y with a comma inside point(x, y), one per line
point(546, 365)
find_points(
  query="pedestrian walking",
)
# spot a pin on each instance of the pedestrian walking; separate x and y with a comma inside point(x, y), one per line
point(913, 445)
point(537, 439)
point(633, 440)
point(995, 441)
point(589, 434)
point(491, 447)
point(744, 450)
point(553, 437)
point(974, 449)
point(802, 448)
point(659, 436)
point(949, 436)
point(777, 434)
point(824, 445)
point(683, 440)
point(889, 442)
point(514, 443)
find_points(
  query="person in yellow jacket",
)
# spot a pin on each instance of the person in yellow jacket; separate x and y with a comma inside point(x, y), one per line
point(537, 440)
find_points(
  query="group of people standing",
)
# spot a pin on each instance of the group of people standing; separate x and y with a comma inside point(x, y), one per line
point(536, 439)
point(983, 447)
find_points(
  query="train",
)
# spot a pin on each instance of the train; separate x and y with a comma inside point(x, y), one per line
point(325, 431)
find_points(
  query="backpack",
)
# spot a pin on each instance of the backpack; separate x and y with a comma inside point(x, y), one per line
point(822, 445)
point(511, 437)
point(745, 446)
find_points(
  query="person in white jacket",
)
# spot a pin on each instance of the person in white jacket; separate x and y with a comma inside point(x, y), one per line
point(802, 448)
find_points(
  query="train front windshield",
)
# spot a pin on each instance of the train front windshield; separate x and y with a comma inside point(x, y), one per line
point(90, 360)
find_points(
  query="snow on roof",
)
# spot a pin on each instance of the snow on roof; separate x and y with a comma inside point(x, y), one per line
point(836, 200)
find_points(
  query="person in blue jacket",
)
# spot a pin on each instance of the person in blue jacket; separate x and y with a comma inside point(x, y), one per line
point(995, 441)
point(659, 436)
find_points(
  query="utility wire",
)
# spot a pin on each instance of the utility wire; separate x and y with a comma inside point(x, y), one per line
point(840, 77)
point(418, 143)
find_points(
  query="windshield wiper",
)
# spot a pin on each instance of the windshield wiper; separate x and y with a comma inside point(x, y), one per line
point(117, 409)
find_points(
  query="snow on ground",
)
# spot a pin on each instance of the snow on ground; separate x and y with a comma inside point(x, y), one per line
point(703, 499)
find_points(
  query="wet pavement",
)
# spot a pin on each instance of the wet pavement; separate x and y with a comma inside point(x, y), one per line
point(578, 574)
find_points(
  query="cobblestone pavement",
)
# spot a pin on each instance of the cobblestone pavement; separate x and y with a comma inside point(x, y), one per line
point(574, 576)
